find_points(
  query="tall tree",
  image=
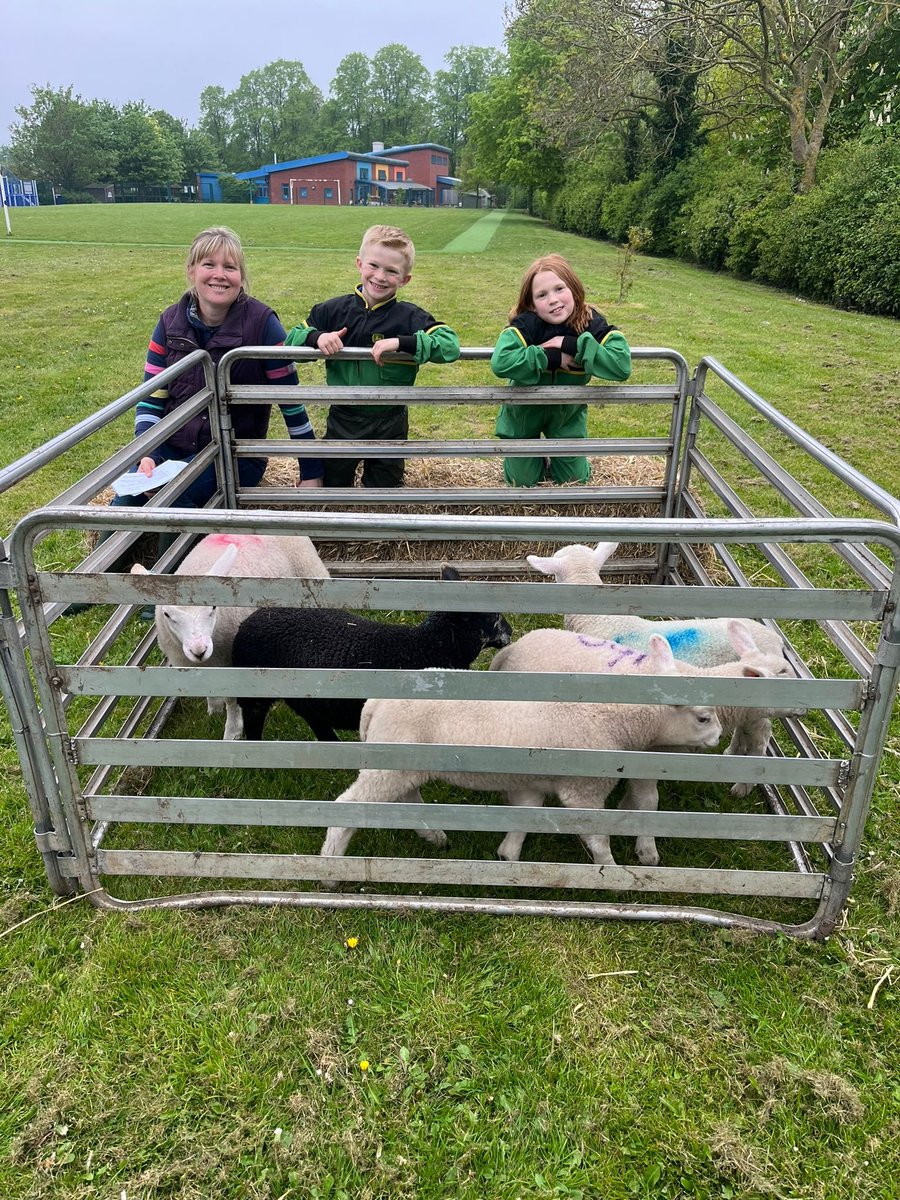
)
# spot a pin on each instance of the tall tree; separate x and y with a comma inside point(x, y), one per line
point(275, 112)
point(149, 153)
point(350, 112)
point(63, 139)
point(216, 120)
point(507, 141)
point(788, 57)
point(400, 84)
point(469, 68)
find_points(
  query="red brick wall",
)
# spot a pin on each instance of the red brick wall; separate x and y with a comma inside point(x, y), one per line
point(337, 173)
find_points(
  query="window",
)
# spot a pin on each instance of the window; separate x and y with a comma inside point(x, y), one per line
point(304, 192)
point(399, 177)
point(439, 160)
point(286, 193)
point(382, 173)
point(364, 172)
point(329, 193)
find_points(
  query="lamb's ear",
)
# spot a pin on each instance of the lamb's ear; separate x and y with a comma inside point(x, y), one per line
point(137, 569)
point(546, 566)
point(752, 672)
point(662, 661)
point(741, 639)
point(604, 551)
point(224, 562)
point(448, 572)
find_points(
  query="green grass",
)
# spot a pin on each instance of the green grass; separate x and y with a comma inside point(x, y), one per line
point(216, 1054)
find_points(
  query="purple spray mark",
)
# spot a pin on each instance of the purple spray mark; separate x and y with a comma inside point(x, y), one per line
point(615, 653)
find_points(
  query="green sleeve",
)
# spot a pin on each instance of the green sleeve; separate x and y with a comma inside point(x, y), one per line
point(299, 334)
point(439, 344)
point(514, 359)
point(607, 359)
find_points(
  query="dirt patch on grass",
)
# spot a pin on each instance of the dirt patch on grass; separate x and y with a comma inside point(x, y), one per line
point(780, 1084)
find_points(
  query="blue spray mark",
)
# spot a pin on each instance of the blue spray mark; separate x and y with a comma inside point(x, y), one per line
point(684, 640)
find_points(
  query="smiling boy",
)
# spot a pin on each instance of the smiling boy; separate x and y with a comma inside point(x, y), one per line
point(373, 317)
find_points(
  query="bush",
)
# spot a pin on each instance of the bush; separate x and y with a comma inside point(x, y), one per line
point(867, 273)
point(235, 191)
point(622, 206)
point(757, 234)
point(709, 215)
point(662, 210)
point(75, 198)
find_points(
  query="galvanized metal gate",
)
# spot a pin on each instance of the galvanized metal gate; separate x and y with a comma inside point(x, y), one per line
point(94, 734)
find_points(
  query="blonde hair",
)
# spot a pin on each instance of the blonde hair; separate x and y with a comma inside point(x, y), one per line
point(211, 241)
point(394, 238)
point(582, 312)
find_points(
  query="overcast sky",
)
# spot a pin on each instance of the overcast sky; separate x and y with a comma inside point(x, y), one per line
point(166, 52)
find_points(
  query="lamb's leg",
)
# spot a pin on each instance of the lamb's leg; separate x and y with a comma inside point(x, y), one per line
point(234, 721)
point(643, 794)
point(214, 705)
point(435, 837)
point(751, 736)
point(575, 794)
point(253, 712)
point(510, 849)
point(378, 787)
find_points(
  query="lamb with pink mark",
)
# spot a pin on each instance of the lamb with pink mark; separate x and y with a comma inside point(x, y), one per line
point(526, 724)
point(191, 635)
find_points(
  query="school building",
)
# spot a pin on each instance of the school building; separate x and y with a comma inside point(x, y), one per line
point(414, 174)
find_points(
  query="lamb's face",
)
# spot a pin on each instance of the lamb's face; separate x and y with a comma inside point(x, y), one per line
point(500, 634)
point(689, 725)
point(191, 628)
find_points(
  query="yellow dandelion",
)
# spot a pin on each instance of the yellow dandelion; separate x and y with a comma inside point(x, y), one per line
point(364, 1064)
point(351, 943)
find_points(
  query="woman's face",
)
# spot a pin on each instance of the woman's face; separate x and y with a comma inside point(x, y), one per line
point(551, 298)
point(216, 279)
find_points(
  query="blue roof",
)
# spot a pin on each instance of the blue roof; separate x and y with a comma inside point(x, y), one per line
point(451, 179)
point(416, 146)
point(317, 160)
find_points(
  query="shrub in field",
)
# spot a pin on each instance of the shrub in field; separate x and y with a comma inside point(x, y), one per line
point(867, 273)
point(662, 209)
point(235, 191)
point(710, 213)
point(757, 233)
point(75, 198)
point(622, 207)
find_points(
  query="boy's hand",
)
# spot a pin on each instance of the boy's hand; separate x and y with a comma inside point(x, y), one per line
point(385, 346)
point(331, 343)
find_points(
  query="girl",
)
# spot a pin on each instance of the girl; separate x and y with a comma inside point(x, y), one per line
point(554, 337)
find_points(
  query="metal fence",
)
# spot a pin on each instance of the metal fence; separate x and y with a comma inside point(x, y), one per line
point(99, 744)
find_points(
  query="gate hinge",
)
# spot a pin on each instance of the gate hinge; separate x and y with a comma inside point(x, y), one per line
point(844, 773)
point(69, 749)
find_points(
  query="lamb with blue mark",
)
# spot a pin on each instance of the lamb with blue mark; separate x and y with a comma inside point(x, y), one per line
point(705, 643)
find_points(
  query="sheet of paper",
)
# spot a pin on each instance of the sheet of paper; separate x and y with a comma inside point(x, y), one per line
point(133, 483)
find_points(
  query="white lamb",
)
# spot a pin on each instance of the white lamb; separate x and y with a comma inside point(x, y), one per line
point(522, 723)
point(563, 651)
point(192, 634)
point(704, 642)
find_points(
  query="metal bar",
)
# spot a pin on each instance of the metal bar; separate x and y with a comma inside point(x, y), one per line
point(460, 448)
point(188, 810)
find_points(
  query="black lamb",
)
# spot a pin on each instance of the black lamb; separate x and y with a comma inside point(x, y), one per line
point(333, 637)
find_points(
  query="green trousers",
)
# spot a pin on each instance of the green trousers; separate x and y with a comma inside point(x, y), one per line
point(549, 421)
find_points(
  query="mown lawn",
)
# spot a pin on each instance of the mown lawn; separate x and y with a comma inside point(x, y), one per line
point(218, 1054)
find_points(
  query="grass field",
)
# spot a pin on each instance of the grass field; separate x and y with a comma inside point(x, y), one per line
point(218, 1054)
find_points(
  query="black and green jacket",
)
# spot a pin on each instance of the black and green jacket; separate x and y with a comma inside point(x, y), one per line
point(600, 350)
point(420, 334)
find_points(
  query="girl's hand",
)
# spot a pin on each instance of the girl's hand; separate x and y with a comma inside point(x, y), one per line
point(554, 343)
point(385, 346)
point(307, 483)
point(331, 343)
point(567, 362)
point(146, 466)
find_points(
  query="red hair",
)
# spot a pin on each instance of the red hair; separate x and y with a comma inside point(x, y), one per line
point(581, 314)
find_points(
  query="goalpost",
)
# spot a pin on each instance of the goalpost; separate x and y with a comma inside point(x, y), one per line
point(306, 179)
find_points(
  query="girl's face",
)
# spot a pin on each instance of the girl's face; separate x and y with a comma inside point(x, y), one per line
point(217, 281)
point(551, 298)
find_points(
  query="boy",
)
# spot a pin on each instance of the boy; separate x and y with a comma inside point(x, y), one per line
point(372, 317)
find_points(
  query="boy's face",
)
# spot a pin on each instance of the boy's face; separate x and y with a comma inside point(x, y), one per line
point(382, 270)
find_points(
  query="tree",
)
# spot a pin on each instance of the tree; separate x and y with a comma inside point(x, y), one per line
point(399, 87)
point(507, 141)
point(275, 113)
point(149, 154)
point(350, 107)
point(469, 68)
point(216, 120)
point(787, 57)
point(63, 139)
